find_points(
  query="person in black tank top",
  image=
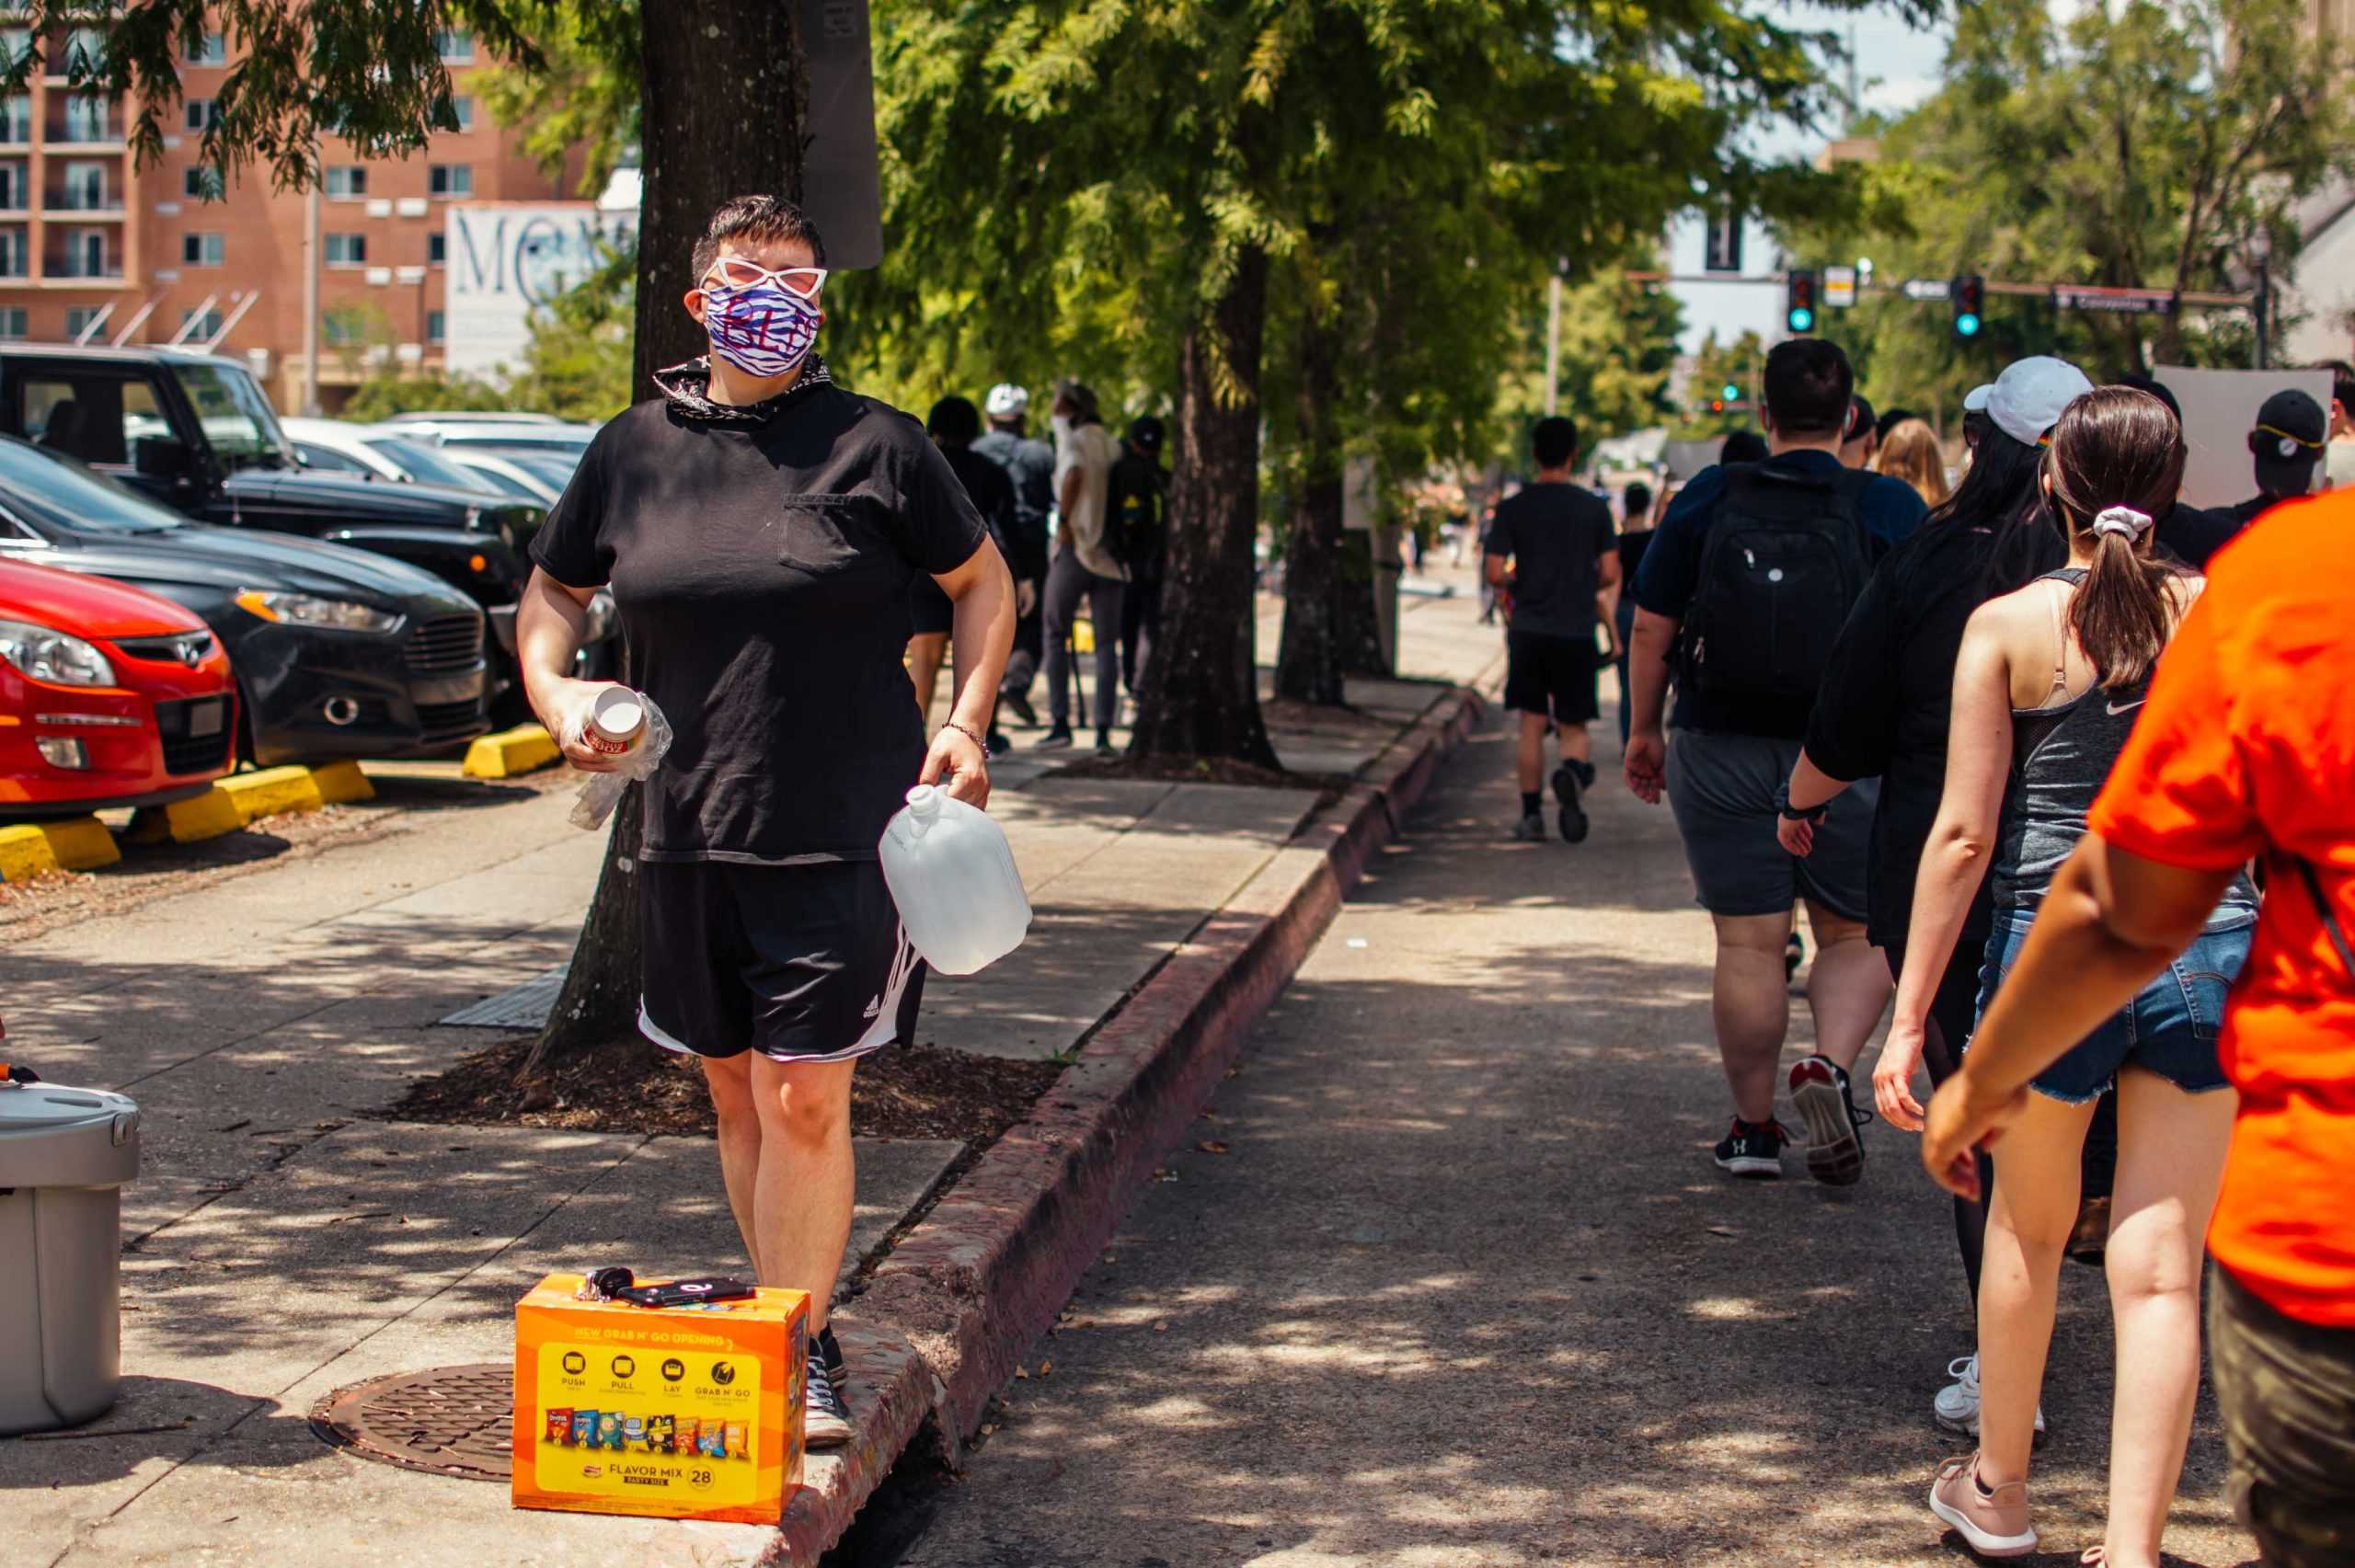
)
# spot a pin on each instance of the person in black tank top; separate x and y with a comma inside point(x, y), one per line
point(2048, 684)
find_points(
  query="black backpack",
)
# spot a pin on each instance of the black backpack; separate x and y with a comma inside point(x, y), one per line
point(1134, 535)
point(1782, 564)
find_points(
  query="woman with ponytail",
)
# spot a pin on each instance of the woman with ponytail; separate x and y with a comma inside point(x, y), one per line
point(2046, 689)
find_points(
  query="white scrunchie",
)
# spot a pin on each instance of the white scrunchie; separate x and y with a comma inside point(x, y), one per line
point(2124, 521)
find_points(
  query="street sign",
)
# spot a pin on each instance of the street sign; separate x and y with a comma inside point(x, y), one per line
point(1927, 290)
point(1725, 244)
point(842, 190)
point(1838, 287)
point(2116, 303)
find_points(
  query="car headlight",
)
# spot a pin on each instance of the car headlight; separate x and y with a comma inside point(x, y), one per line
point(309, 610)
point(52, 656)
point(600, 616)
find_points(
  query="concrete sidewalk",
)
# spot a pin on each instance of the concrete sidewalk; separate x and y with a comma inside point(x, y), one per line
point(1445, 1276)
point(280, 1247)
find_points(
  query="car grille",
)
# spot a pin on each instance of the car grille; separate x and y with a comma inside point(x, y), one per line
point(185, 750)
point(444, 644)
point(450, 721)
point(190, 648)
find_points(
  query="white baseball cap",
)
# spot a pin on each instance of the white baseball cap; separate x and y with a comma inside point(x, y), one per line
point(1975, 400)
point(2027, 399)
point(1005, 400)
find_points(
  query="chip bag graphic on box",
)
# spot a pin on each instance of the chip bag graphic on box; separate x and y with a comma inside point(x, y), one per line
point(622, 1408)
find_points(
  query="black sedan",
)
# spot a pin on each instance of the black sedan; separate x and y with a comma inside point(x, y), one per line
point(337, 652)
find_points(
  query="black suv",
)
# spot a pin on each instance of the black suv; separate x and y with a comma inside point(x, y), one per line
point(196, 432)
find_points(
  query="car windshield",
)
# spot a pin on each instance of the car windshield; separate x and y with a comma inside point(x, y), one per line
point(506, 442)
point(236, 418)
point(424, 464)
point(555, 469)
point(513, 485)
point(54, 491)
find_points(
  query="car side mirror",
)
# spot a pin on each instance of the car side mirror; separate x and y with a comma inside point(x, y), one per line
point(163, 457)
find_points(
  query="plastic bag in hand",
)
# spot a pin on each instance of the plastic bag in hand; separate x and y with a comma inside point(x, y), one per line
point(603, 790)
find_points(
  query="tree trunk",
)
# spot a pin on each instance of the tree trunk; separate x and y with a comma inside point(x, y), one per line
point(1357, 629)
point(721, 95)
point(1201, 695)
point(1309, 665)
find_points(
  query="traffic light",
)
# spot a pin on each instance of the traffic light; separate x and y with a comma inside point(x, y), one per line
point(1969, 293)
point(1732, 393)
point(1799, 299)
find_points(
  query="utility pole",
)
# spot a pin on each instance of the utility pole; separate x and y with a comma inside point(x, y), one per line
point(1553, 341)
point(2260, 249)
point(311, 290)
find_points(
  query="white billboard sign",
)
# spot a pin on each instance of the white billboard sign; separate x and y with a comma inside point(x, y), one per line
point(504, 259)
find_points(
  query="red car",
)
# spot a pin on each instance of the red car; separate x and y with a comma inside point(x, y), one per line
point(109, 696)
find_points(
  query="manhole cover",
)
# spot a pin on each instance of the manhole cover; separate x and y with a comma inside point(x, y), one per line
point(451, 1421)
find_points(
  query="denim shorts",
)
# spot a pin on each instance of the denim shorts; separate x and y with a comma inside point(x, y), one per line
point(2169, 1028)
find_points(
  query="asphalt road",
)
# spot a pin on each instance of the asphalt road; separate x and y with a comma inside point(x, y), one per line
point(1450, 1278)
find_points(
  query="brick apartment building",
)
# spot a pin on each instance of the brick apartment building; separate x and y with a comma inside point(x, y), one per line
point(165, 252)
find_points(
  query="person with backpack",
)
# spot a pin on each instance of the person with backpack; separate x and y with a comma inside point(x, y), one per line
point(1084, 568)
point(1030, 464)
point(2245, 748)
point(1747, 583)
point(1138, 532)
point(2048, 684)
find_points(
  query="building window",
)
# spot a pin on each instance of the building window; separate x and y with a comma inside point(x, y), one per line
point(212, 51)
point(454, 45)
point(198, 183)
point(86, 119)
point(201, 250)
point(15, 44)
point(78, 319)
point(436, 326)
point(15, 253)
point(12, 323)
point(348, 180)
point(464, 112)
point(346, 326)
point(16, 121)
point(85, 253)
point(450, 179)
point(437, 249)
point(202, 113)
point(208, 326)
point(86, 187)
point(85, 52)
point(12, 186)
point(346, 250)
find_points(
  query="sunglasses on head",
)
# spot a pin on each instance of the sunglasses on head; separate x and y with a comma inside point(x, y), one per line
point(736, 272)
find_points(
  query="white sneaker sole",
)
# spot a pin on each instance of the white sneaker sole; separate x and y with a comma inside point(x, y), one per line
point(1983, 1542)
point(1750, 1165)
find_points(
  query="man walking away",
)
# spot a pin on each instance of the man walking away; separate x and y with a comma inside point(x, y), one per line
point(1140, 538)
point(954, 424)
point(1860, 442)
point(1745, 586)
point(1635, 535)
point(1084, 566)
point(2287, 451)
point(1030, 464)
point(1553, 545)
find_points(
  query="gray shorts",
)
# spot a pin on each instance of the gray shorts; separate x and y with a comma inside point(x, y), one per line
point(1721, 789)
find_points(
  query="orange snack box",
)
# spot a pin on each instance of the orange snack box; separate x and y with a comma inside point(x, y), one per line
point(724, 1366)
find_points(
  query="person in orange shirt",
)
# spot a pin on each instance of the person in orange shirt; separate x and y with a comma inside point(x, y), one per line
point(2245, 750)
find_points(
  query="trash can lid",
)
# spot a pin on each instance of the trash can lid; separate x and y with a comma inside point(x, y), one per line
point(53, 1135)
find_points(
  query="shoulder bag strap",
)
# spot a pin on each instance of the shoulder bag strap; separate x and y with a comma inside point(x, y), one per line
point(2322, 905)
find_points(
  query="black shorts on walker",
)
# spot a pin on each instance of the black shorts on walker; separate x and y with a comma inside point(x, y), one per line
point(799, 963)
point(1552, 677)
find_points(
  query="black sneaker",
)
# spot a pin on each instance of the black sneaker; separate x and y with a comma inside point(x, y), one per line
point(1104, 745)
point(998, 745)
point(1570, 779)
point(1835, 1155)
point(1055, 740)
point(1794, 954)
point(1753, 1149)
point(1019, 706)
point(834, 1366)
point(825, 1419)
point(1530, 829)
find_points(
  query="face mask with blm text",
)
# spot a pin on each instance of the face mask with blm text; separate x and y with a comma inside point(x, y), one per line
point(764, 329)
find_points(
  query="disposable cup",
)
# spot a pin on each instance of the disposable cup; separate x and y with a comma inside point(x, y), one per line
point(616, 722)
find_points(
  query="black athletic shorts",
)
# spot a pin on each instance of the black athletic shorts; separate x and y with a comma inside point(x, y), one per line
point(1548, 675)
point(801, 963)
point(929, 610)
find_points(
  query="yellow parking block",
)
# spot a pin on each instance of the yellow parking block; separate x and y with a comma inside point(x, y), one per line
point(206, 815)
point(25, 854)
point(270, 791)
point(81, 844)
point(341, 782)
point(522, 749)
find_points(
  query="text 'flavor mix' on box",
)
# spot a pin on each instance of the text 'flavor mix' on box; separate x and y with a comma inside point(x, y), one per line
point(688, 1414)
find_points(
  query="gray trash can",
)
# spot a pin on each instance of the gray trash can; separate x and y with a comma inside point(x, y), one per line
point(64, 1154)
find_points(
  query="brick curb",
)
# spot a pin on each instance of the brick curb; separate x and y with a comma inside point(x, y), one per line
point(983, 1274)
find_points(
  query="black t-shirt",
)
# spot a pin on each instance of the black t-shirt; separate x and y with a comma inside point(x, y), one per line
point(992, 492)
point(2194, 533)
point(1555, 534)
point(1886, 701)
point(1632, 545)
point(761, 566)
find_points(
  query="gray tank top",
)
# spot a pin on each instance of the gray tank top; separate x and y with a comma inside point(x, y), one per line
point(2061, 756)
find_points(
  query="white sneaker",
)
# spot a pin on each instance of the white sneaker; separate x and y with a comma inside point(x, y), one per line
point(1957, 1406)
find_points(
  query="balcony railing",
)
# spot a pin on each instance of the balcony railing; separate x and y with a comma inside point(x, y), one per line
point(72, 200)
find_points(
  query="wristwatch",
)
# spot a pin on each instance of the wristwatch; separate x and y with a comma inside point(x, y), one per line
point(1790, 813)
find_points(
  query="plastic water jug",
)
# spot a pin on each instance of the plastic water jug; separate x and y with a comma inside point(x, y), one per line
point(952, 872)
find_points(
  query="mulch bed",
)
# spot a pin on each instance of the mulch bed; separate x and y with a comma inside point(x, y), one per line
point(902, 1092)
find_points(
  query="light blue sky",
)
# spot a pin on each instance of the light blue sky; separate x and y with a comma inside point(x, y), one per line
point(1897, 68)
